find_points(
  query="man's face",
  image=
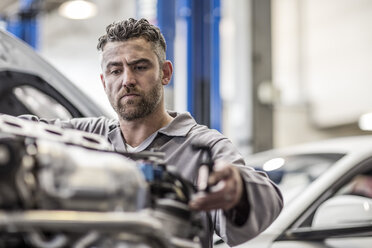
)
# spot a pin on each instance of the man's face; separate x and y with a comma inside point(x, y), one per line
point(132, 78)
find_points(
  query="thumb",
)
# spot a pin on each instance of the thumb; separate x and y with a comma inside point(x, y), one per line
point(219, 175)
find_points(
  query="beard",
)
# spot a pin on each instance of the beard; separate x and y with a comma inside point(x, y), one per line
point(141, 107)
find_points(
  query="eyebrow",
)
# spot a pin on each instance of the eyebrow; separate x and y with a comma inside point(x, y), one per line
point(138, 61)
point(111, 64)
point(134, 62)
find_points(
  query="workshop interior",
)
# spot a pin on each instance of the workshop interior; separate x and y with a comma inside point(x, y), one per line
point(268, 74)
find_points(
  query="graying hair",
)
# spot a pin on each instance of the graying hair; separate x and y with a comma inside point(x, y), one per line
point(132, 28)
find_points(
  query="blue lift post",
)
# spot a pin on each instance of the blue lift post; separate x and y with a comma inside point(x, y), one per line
point(203, 96)
point(184, 12)
point(215, 100)
point(166, 17)
point(25, 24)
point(200, 64)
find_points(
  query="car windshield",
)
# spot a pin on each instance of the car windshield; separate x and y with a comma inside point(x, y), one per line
point(295, 172)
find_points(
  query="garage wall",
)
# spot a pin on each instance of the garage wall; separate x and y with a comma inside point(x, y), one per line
point(337, 58)
point(321, 67)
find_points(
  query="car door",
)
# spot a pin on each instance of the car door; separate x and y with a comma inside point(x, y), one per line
point(340, 218)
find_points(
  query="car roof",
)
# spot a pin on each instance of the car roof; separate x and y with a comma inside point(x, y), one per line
point(340, 145)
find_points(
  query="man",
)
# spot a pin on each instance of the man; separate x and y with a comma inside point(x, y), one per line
point(242, 202)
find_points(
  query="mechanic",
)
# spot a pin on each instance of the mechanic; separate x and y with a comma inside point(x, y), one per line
point(242, 202)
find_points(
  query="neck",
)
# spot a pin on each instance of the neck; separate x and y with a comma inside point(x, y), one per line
point(136, 131)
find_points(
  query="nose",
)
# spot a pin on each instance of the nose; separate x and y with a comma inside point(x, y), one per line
point(128, 78)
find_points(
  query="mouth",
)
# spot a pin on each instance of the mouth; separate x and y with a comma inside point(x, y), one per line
point(130, 95)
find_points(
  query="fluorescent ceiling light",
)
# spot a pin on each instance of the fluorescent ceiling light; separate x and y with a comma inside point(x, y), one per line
point(365, 122)
point(273, 164)
point(77, 9)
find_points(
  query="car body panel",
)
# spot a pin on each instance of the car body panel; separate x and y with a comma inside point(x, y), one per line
point(16, 56)
point(357, 150)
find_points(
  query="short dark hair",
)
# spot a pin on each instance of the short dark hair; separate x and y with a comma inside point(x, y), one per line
point(132, 28)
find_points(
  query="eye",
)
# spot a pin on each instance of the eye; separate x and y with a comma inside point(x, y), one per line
point(140, 67)
point(115, 72)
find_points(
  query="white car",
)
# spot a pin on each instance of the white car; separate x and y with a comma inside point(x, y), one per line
point(327, 189)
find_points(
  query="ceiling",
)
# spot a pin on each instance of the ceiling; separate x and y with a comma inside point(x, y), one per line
point(11, 7)
point(7, 6)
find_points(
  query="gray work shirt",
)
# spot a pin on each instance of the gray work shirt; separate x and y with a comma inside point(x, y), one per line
point(264, 201)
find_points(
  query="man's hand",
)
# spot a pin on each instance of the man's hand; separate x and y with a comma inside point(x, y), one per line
point(225, 191)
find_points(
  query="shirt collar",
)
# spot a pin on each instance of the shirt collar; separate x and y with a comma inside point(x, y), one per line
point(179, 126)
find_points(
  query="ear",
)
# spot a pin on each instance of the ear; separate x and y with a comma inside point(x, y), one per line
point(103, 81)
point(167, 72)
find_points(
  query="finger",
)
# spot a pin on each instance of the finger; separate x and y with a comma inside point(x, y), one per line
point(225, 199)
point(233, 188)
point(219, 175)
point(210, 204)
point(225, 193)
point(229, 175)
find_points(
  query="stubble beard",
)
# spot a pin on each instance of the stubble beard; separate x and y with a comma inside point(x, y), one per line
point(139, 108)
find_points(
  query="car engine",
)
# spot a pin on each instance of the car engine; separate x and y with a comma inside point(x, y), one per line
point(67, 188)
